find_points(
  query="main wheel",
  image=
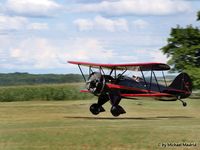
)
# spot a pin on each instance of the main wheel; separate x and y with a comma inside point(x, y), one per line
point(114, 111)
point(94, 109)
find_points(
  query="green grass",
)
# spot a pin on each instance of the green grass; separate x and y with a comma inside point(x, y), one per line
point(63, 125)
point(49, 92)
point(43, 92)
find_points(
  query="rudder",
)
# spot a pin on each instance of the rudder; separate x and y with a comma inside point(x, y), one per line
point(183, 84)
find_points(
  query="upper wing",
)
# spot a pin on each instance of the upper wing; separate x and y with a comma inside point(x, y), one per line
point(132, 66)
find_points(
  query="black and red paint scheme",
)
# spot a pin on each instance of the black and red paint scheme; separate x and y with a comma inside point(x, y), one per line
point(113, 87)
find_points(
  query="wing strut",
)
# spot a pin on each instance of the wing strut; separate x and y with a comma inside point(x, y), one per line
point(150, 80)
point(82, 73)
point(101, 70)
point(111, 71)
point(90, 70)
point(144, 78)
point(156, 81)
point(164, 78)
point(123, 72)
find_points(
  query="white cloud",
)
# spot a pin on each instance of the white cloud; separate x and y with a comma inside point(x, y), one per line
point(136, 7)
point(84, 24)
point(102, 23)
point(87, 49)
point(35, 53)
point(86, 1)
point(141, 24)
point(16, 23)
point(12, 23)
point(158, 56)
point(41, 53)
point(37, 26)
point(32, 8)
point(44, 54)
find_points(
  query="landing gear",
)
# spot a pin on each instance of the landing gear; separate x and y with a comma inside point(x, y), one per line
point(117, 110)
point(115, 99)
point(95, 109)
point(114, 111)
point(184, 103)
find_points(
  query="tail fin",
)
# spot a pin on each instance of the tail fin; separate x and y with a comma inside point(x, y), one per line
point(183, 84)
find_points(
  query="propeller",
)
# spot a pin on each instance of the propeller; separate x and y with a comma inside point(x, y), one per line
point(95, 83)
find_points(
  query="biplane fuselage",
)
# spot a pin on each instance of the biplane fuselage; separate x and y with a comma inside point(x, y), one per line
point(113, 86)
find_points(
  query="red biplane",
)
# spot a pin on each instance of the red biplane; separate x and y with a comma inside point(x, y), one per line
point(116, 84)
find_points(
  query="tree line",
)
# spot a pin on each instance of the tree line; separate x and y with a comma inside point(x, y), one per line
point(32, 79)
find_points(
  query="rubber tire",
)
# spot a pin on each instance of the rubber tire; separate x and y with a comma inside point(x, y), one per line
point(114, 111)
point(94, 109)
point(184, 104)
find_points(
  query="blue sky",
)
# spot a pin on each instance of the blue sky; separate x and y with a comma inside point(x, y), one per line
point(39, 36)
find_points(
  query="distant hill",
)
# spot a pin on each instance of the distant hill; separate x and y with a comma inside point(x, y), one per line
point(31, 79)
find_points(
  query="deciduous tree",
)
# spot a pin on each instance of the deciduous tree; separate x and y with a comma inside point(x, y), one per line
point(183, 51)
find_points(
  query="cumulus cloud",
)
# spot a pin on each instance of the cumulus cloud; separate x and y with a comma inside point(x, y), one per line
point(37, 26)
point(136, 7)
point(17, 23)
point(8, 23)
point(84, 24)
point(158, 56)
point(141, 24)
point(102, 23)
point(32, 8)
point(88, 49)
point(87, 1)
point(36, 53)
point(42, 53)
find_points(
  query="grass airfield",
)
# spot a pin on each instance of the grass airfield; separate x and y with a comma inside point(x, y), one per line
point(63, 125)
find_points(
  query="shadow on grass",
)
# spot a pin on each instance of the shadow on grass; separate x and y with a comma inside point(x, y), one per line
point(127, 118)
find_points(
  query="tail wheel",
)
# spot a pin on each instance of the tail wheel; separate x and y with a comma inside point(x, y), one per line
point(184, 104)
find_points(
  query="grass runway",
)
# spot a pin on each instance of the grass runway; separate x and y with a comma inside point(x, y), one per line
point(68, 125)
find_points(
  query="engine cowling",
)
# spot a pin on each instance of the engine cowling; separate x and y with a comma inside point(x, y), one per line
point(95, 83)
